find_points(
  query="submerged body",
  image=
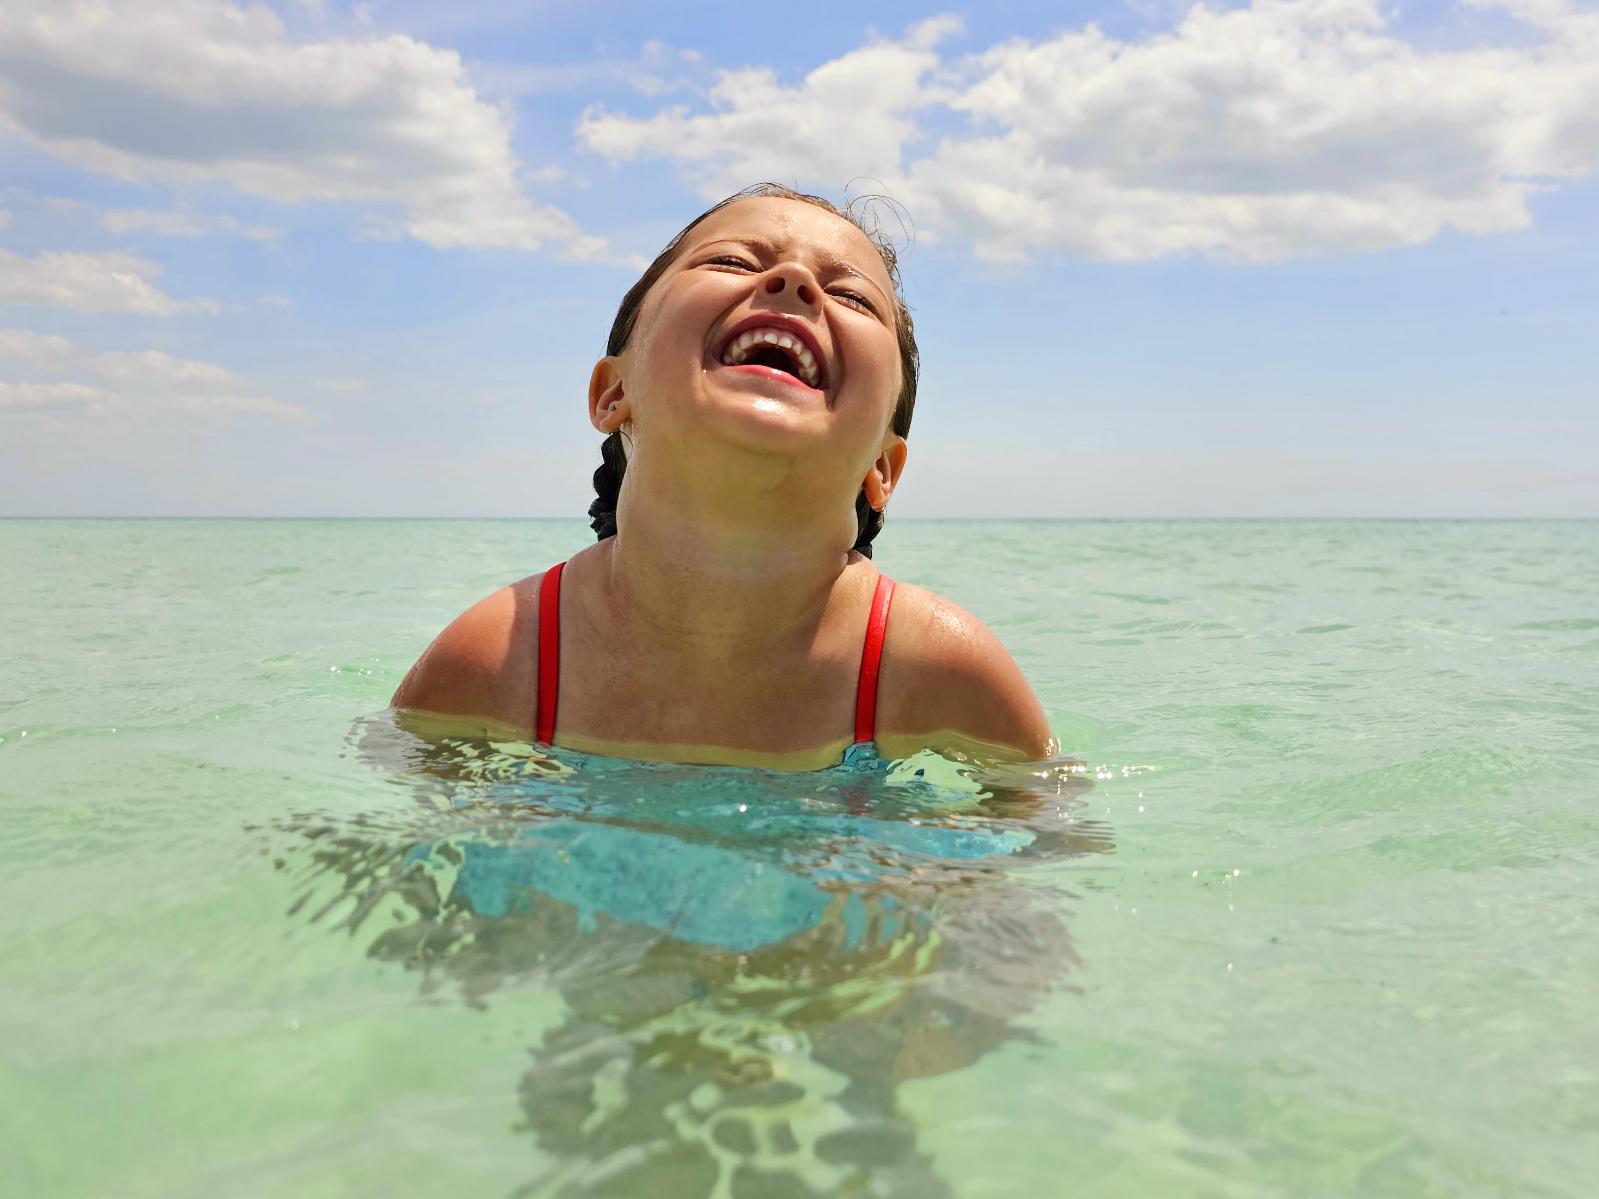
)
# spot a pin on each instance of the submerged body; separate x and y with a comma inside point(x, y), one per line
point(755, 397)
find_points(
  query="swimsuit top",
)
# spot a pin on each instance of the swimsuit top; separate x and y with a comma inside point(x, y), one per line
point(549, 657)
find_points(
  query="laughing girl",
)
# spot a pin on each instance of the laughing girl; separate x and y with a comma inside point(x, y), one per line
point(755, 397)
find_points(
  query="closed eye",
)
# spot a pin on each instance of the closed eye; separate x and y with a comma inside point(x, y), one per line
point(852, 298)
point(855, 297)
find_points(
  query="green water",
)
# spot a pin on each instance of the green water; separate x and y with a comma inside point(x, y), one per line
point(1322, 917)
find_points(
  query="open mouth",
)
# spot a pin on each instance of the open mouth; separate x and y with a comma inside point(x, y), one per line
point(770, 345)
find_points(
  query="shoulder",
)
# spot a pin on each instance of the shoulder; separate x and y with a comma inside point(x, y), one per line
point(947, 679)
point(482, 665)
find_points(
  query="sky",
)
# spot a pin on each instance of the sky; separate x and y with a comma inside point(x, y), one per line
point(1308, 258)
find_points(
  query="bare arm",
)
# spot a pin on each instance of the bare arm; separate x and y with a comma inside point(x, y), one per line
point(948, 682)
point(481, 666)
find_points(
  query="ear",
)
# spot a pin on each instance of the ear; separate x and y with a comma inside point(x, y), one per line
point(608, 406)
point(884, 475)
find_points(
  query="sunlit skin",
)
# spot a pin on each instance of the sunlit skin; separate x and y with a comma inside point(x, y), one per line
point(724, 621)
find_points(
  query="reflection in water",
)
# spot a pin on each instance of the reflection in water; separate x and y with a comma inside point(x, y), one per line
point(751, 961)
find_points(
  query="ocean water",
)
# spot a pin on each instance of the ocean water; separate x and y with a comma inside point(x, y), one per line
point(1309, 907)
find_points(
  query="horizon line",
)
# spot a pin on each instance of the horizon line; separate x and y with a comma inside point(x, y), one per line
point(898, 520)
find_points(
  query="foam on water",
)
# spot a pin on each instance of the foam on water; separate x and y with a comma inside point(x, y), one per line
point(1316, 919)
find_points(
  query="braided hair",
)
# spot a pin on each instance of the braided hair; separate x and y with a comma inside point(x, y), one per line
point(613, 456)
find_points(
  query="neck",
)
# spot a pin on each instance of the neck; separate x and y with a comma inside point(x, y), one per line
point(719, 567)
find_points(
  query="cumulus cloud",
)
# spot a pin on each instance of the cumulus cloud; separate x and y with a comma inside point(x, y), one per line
point(154, 366)
point(129, 381)
point(656, 70)
point(176, 223)
point(22, 345)
point(1282, 128)
point(46, 395)
point(108, 281)
point(849, 117)
point(183, 91)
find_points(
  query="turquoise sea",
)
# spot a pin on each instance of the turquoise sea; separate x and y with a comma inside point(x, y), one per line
point(1309, 907)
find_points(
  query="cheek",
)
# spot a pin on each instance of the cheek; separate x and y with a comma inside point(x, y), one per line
point(661, 350)
point(885, 375)
point(671, 330)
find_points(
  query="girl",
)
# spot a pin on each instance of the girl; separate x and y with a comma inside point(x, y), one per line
point(755, 395)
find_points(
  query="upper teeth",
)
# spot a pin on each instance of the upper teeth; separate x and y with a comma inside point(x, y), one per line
point(746, 343)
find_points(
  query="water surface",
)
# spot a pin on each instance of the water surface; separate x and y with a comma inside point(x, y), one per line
point(1316, 919)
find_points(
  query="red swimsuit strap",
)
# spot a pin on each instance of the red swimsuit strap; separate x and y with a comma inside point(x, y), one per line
point(871, 658)
point(549, 661)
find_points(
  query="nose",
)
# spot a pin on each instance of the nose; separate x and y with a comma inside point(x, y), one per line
point(792, 276)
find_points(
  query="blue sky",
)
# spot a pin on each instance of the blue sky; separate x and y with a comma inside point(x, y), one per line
point(1303, 258)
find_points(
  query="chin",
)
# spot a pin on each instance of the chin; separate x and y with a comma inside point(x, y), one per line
point(766, 422)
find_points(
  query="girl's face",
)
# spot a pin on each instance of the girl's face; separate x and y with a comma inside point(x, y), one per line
point(773, 329)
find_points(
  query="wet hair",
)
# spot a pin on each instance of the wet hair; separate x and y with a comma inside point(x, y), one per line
point(613, 459)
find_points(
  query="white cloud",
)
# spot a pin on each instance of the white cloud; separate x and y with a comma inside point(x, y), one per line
point(177, 223)
point(20, 345)
point(850, 117)
point(656, 70)
point(5, 217)
point(128, 381)
point(108, 281)
point(1257, 133)
point(183, 91)
point(153, 366)
point(1282, 128)
point(46, 395)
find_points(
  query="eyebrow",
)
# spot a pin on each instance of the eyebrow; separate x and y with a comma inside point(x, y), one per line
point(838, 264)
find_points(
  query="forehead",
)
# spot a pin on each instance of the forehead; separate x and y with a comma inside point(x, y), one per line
point(794, 226)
